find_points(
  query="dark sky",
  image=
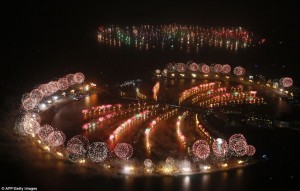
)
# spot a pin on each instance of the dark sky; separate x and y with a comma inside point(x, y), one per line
point(256, 13)
point(35, 24)
point(41, 17)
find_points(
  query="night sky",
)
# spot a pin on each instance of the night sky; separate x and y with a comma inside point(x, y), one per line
point(33, 24)
point(40, 18)
point(37, 27)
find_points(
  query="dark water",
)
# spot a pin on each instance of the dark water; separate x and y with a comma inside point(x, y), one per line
point(50, 40)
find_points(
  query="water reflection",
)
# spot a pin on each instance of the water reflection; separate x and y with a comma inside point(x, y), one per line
point(205, 182)
point(167, 183)
point(224, 176)
point(91, 100)
point(128, 182)
point(186, 183)
point(239, 173)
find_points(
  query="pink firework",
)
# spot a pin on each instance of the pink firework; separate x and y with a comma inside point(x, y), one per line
point(220, 147)
point(201, 149)
point(170, 161)
point(165, 72)
point(44, 132)
point(135, 32)
point(56, 138)
point(171, 67)
point(55, 86)
point(238, 145)
point(226, 69)
point(58, 85)
point(123, 150)
point(25, 96)
point(31, 126)
point(287, 82)
point(148, 163)
point(181, 67)
point(29, 104)
point(157, 71)
point(64, 85)
point(218, 68)
point(44, 89)
point(50, 89)
point(79, 78)
point(251, 150)
point(97, 151)
point(33, 115)
point(70, 79)
point(77, 148)
point(78, 139)
point(194, 67)
point(205, 69)
point(239, 71)
point(36, 94)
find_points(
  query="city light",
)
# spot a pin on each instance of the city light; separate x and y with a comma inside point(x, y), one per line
point(126, 120)
point(173, 35)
